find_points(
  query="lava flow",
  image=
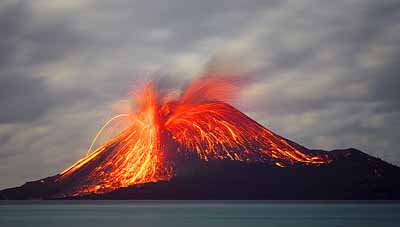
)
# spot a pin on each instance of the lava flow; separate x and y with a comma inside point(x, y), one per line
point(199, 122)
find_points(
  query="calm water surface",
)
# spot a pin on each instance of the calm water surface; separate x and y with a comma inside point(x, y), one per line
point(196, 213)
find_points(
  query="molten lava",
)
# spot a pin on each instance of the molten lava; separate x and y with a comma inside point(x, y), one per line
point(199, 122)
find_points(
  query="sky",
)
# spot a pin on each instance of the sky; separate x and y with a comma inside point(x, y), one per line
point(326, 73)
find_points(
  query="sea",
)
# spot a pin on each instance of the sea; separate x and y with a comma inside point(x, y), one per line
point(198, 213)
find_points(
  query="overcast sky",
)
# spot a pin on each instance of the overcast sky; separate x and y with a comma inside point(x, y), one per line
point(326, 72)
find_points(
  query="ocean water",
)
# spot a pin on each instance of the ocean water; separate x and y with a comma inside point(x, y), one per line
point(196, 213)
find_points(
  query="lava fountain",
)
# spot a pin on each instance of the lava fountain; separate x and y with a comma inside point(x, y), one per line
point(198, 122)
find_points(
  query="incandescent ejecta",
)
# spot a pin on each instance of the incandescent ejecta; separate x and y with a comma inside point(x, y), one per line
point(165, 127)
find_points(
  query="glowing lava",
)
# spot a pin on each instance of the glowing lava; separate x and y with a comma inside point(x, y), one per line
point(197, 122)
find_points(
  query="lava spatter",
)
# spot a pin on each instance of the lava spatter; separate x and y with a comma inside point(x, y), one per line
point(199, 121)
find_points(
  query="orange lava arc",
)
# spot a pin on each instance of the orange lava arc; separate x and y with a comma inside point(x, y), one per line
point(199, 121)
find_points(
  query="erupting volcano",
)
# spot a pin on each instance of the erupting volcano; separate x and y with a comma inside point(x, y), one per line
point(198, 129)
point(165, 128)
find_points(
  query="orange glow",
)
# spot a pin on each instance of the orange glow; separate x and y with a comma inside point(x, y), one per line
point(199, 122)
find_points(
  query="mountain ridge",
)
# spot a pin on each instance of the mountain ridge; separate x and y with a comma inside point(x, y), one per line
point(352, 175)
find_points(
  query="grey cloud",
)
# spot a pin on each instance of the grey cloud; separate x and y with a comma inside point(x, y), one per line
point(25, 40)
point(23, 99)
point(25, 44)
point(11, 20)
point(345, 34)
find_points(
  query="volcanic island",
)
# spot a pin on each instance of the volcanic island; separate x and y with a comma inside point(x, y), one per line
point(196, 145)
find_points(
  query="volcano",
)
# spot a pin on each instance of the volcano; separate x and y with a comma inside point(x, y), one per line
point(195, 145)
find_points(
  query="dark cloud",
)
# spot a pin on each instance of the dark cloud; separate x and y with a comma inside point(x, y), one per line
point(23, 99)
point(26, 40)
point(386, 83)
point(12, 17)
point(345, 35)
point(25, 44)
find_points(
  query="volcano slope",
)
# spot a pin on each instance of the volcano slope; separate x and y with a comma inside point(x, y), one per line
point(196, 146)
point(351, 175)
